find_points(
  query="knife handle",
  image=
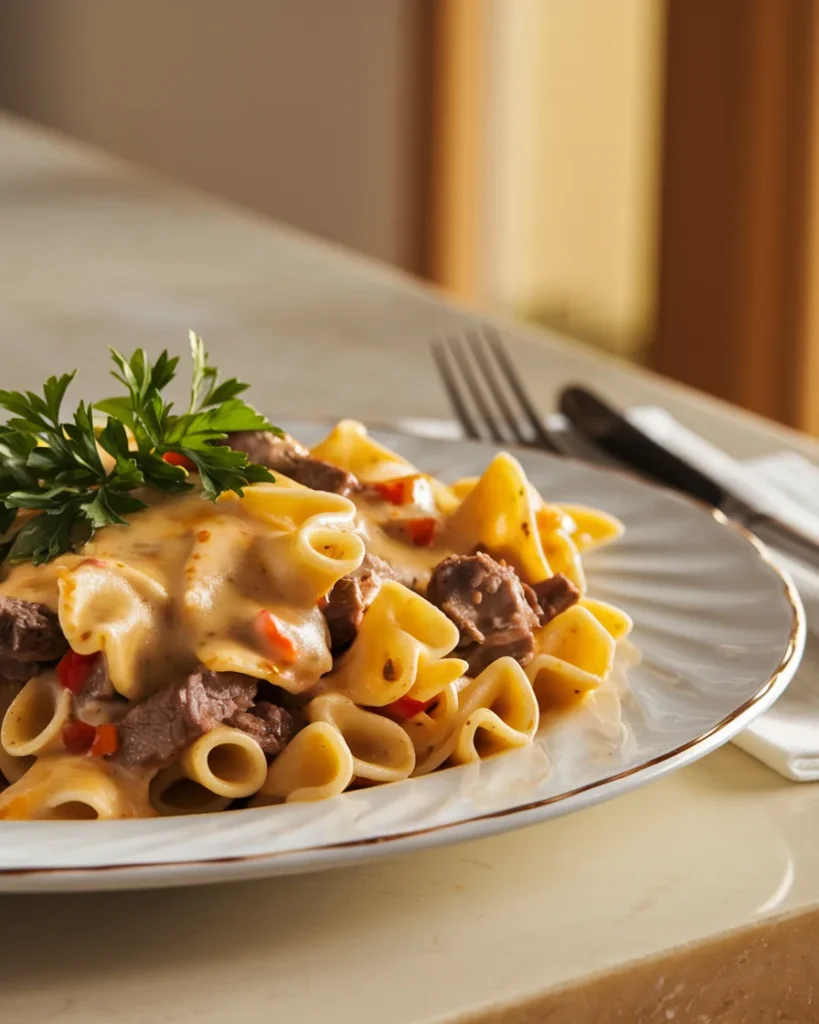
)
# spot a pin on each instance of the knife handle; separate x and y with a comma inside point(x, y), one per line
point(607, 428)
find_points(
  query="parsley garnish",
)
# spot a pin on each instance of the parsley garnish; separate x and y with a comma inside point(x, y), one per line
point(54, 467)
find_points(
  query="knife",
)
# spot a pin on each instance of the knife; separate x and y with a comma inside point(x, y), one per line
point(608, 430)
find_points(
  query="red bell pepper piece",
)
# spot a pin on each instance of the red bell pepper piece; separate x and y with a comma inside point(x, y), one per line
point(421, 531)
point(406, 707)
point(393, 491)
point(106, 740)
point(404, 490)
point(78, 736)
point(74, 669)
point(268, 628)
point(178, 459)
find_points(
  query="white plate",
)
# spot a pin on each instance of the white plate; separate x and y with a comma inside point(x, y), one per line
point(720, 632)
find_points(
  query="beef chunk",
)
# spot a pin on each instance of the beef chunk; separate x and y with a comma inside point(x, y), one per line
point(286, 455)
point(99, 701)
point(98, 685)
point(344, 611)
point(267, 448)
point(17, 671)
point(351, 596)
point(29, 634)
point(320, 476)
point(158, 730)
point(488, 604)
point(551, 597)
point(270, 725)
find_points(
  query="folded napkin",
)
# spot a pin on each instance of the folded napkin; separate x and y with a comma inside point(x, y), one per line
point(786, 737)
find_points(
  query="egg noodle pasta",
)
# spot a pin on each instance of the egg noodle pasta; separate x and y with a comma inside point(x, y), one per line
point(499, 712)
point(12, 767)
point(315, 765)
point(226, 762)
point(172, 792)
point(34, 720)
point(67, 787)
point(338, 619)
point(381, 749)
point(399, 650)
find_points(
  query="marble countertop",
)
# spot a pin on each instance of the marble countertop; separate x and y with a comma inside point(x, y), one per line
point(618, 913)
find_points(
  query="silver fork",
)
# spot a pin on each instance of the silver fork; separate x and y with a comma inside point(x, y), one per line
point(488, 395)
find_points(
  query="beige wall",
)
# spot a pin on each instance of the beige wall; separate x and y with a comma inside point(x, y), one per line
point(303, 109)
point(572, 164)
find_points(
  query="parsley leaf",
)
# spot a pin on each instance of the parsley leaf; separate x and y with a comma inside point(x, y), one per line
point(206, 391)
point(45, 536)
point(71, 478)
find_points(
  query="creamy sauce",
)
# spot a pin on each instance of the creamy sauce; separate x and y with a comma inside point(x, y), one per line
point(414, 564)
point(182, 584)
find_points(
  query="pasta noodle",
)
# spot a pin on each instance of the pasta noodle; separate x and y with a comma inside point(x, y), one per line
point(315, 541)
point(500, 514)
point(74, 788)
point(315, 765)
point(575, 653)
point(615, 621)
point(399, 649)
point(226, 762)
point(501, 713)
point(381, 750)
point(350, 446)
point(590, 528)
point(33, 723)
point(11, 768)
point(172, 792)
point(355, 622)
point(497, 711)
point(113, 607)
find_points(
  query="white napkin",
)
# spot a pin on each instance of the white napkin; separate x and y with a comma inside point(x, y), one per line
point(786, 737)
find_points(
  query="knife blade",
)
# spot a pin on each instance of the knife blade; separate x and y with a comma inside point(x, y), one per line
point(609, 430)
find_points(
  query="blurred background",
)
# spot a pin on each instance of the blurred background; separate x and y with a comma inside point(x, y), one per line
point(638, 174)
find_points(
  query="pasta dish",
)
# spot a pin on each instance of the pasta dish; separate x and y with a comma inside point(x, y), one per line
point(199, 613)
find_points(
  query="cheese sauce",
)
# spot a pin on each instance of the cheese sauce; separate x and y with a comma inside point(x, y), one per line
point(412, 563)
point(184, 582)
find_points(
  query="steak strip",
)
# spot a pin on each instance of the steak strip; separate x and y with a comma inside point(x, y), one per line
point(98, 701)
point(156, 731)
point(30, 634)
point(551, 596)
point(286, 455)
point(350, 598)
point(494, 611)
point(270, 725)
point(488, 604)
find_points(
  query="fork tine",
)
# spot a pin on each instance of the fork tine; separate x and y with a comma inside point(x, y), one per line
point(502, 358)
point(452, 390)
point(490, 376)
point(475, 389)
